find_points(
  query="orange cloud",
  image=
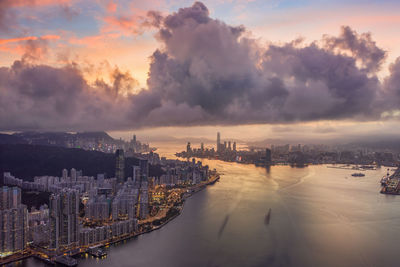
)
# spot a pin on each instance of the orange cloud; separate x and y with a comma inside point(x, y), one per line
point(111, 7)
point(14, 40)
point(50, 37)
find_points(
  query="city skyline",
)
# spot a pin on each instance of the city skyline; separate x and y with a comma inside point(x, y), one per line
point(175, 133)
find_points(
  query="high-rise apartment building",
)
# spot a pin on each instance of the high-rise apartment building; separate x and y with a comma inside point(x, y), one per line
point(64, 174)
point(13, 221)
point(120, 166)
point(64, 213)
point(73, 175)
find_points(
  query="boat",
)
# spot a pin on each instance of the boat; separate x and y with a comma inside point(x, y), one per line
point(97, 252)
point(358, 174)
point(267, 217)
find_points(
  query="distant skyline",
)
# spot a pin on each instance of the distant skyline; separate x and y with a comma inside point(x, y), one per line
point(298, 70)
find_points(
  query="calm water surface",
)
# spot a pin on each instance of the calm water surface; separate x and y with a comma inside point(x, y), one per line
point(320, 216)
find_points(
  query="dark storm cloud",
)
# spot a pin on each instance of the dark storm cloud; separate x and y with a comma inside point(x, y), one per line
point(208, 73)
point(44, 97)
point(214, 66)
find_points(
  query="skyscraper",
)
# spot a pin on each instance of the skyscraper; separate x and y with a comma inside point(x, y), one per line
point(234, 146)
point(13, 221)
point(64, 213)
point(120, 165)
point(136, 174)
point(218, 142)
point(64, 174)
point(268, 157)
point(73, 175)
point(188, 148)
point(144, 170)
point(143, 203)
point(144, 195)
point(134, 143)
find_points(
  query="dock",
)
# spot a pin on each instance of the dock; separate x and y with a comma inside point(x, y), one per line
point(66, 261)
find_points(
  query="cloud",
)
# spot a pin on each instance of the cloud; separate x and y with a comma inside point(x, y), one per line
point(391, 94)
point(211, 65)
point(361, 46)
point(31, 48)
point(132, 24)
point(207, 73)
point(8, 16)
point(44, 97)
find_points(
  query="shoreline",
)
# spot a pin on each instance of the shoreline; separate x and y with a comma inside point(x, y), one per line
point(196, 189)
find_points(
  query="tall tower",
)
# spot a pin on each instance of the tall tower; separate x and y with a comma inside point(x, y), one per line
point(63, 218)
point(119, 165)
point(188, 148)
point(218, 142)
point(268, 157)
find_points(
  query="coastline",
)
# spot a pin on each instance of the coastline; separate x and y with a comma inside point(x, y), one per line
point(195, 189)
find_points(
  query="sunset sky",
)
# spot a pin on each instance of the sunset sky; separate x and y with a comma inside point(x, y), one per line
point(302, 70)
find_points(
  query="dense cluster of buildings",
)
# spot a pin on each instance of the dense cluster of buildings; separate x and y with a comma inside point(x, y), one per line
point(13, 221)
point(99, 141)
point(108, 145)
point(84, 211)
point(293, 154)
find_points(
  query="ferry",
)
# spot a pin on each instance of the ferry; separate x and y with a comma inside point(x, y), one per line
point(358, 174)
point(96, 252)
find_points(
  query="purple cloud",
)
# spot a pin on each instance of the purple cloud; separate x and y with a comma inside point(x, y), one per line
point(208, 73)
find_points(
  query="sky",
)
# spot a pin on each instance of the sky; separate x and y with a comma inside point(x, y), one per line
point(301, 70)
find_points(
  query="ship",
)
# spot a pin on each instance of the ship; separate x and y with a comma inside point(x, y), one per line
point(267, 217)
point(96, 252)
point(358, 174)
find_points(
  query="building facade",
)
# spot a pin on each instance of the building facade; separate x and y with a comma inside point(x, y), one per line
point(63, 219)
point(13, 221)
